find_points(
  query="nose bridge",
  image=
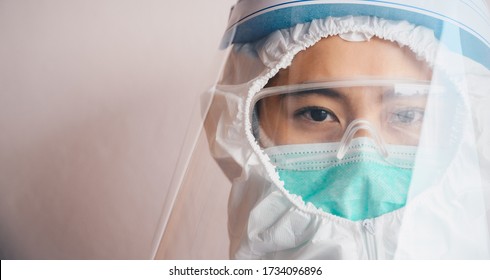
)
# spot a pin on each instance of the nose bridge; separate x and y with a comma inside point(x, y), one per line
point(360, 128)
point(362, 132)
point(363, 103)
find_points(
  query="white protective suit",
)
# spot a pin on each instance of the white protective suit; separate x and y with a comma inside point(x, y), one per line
point(446, 215)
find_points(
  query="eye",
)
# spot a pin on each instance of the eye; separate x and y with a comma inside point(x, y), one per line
point(316, 114)
point(407, 116)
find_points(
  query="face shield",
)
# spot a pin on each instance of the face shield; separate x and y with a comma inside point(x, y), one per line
point(353, 130)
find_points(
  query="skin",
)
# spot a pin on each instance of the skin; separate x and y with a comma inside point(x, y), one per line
point(317, 117)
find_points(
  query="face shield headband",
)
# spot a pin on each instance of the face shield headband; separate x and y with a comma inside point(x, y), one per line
point(250, 21)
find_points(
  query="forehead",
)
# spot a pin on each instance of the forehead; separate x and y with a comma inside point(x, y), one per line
point(335, 58)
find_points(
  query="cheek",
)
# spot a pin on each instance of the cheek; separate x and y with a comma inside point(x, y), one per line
point(274, 122)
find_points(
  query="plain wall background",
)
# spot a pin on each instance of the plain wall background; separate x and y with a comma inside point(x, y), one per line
point(95, 100)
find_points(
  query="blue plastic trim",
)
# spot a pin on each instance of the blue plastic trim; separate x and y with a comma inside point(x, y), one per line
point(260, 26)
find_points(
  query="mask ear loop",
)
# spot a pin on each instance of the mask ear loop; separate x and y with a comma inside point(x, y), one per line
point(351, 130)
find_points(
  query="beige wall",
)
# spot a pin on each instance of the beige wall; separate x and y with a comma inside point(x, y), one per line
point(95, 98)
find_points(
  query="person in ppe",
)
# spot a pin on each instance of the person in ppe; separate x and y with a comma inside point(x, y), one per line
point(355, 130)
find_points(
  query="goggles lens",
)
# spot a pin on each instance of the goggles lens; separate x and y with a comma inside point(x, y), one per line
point(391, 112)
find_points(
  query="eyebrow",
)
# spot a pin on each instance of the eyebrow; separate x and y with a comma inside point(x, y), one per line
point(396, 95)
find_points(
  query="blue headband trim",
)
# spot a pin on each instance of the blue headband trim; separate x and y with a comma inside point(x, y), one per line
point(455, 38)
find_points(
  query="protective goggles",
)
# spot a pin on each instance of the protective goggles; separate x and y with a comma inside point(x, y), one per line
point(391, 112)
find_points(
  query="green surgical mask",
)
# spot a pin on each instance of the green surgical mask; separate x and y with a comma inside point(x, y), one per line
point(361, 185)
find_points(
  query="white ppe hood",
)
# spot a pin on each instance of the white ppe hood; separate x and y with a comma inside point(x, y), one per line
point(447, 209)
